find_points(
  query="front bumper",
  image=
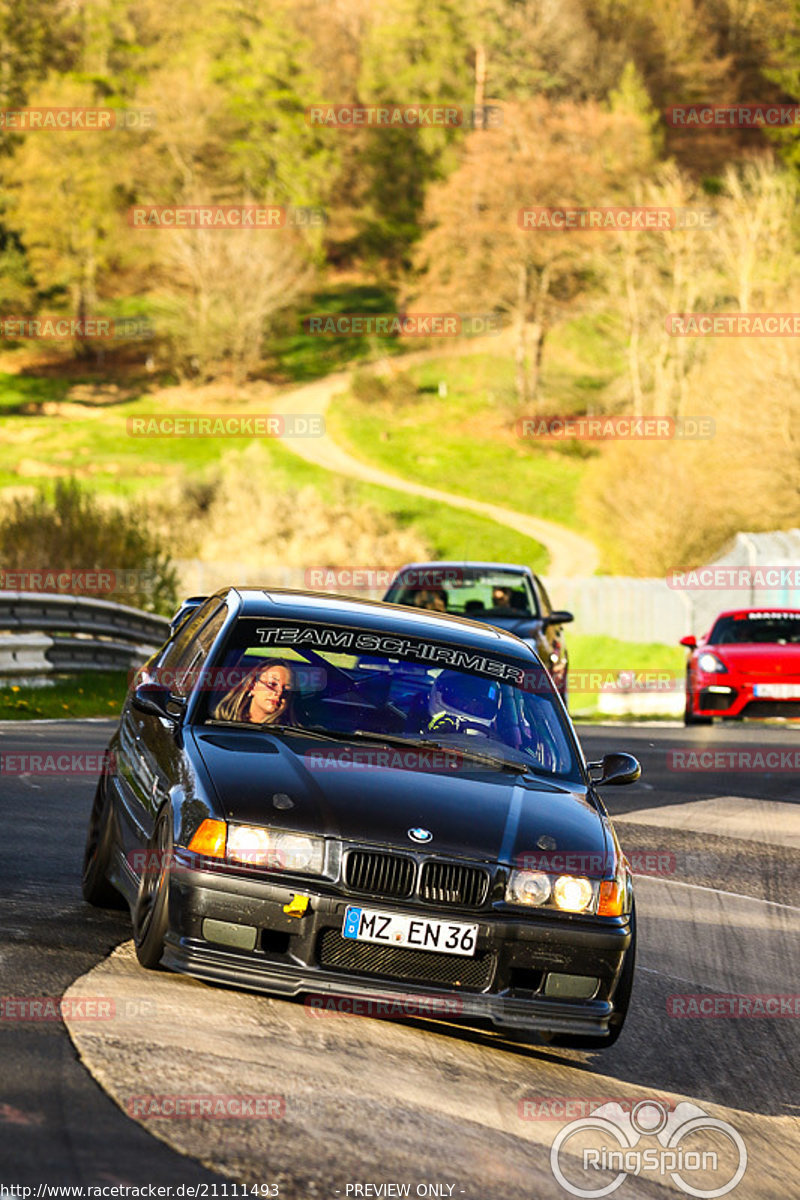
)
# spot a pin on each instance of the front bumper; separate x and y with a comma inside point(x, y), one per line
point(726, 696)
point(503, 984)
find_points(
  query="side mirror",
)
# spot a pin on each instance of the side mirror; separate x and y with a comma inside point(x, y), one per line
point(558, 618)
point(617, 769)
point(156, 700)
point(690, 642)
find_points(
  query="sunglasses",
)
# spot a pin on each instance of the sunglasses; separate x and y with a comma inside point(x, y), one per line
point(277, 689)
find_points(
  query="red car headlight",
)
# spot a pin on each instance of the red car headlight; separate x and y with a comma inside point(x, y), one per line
point(712, 665)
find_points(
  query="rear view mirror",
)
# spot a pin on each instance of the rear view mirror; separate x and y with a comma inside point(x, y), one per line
point(690, 642)
point(616, 769)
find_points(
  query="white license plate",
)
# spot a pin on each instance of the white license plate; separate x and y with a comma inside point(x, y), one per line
point(410, 932)
point(777, 691)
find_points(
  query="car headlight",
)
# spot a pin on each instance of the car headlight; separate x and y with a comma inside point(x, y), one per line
point(712, 665)
point(573, 893)
point(528, 887)
point(570, 893)
point(254, 845)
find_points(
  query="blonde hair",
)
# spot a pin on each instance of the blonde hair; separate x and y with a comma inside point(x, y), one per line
point(235, 704)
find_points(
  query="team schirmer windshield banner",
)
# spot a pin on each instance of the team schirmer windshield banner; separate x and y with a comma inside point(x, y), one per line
point(326, 637)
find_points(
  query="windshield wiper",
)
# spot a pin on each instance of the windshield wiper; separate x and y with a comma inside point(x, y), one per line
point(388, 739)
point(394, 739)
point(265, 728)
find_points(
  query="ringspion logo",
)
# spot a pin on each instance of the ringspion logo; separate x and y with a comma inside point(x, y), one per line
point(682, 1137)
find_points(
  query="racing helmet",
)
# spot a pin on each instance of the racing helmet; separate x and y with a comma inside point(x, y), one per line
point(459, 701)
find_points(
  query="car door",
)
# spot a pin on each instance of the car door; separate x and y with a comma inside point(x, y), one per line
point(554, 649)
point(148, 747)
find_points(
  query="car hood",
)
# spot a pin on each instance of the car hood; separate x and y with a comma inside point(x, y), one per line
point(764, 661)
point(472, 812)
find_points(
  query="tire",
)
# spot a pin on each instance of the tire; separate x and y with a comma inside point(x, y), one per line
point(689, 717)
point(622, 999)
point(97, 855)
point(150, 913)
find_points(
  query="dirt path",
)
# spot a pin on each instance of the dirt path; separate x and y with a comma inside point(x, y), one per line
point(570, 554)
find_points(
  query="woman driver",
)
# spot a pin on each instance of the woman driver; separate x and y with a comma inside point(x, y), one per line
point(263, 696)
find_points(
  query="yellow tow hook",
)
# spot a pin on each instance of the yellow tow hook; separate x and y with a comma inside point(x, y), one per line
point(296, 906)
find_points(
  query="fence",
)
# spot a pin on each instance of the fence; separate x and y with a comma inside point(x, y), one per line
point(633, 610)
point(42, 633)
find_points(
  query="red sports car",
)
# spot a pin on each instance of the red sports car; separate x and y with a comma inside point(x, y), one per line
point(747, 666)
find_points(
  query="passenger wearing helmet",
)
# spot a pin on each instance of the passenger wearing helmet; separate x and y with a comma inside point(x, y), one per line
point(462, 703)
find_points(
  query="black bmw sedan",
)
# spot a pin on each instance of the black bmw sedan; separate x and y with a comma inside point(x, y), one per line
point(318, 795)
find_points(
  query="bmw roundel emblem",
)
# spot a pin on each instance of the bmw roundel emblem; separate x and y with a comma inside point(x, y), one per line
point(420, 835)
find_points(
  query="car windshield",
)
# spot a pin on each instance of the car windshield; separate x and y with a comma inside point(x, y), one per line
point(339, 681)
point(761, 628)
point(467, 591)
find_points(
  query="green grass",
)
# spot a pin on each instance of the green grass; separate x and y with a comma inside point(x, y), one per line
point(88, 694)
point(465, 442)
point(18, 391)
point(99, 451)
point(299, 356)
point(449, 532)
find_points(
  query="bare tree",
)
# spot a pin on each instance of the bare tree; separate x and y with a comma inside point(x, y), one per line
point(478, 252)
point(224, 287)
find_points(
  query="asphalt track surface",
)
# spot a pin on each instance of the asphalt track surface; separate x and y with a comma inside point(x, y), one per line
point(415, 1102)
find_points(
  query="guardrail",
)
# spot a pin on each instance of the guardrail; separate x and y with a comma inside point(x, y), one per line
point(41, 633)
